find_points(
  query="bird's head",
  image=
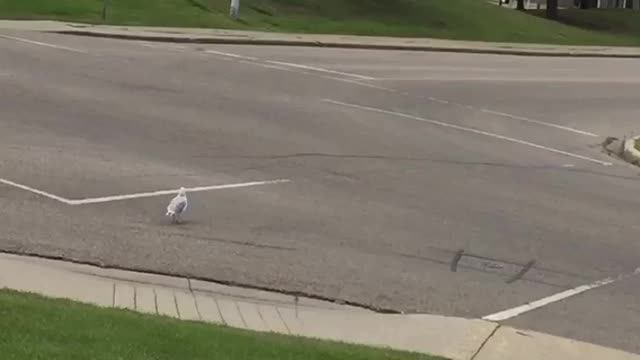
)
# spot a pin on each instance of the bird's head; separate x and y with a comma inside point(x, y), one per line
point(182, 192)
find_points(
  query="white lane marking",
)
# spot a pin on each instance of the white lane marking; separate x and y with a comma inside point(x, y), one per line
point(439, 78)
point(36, 191)
point(507, 314)
point(32, 42)
point(307, 67)
point(475, 131)
point(543, 123)
point(235, 56)
point(168, 192)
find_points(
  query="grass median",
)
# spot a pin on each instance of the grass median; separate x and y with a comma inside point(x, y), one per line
point(34, 327)
point(450, 19)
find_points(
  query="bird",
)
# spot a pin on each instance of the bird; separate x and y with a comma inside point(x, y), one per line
point(178, 205)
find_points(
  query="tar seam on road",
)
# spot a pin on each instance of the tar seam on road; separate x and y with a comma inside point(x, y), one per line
point(32, 42)
point(521, 273)
point(138, 195)
point(467, 129)
point(456, 260)
point(510, 313)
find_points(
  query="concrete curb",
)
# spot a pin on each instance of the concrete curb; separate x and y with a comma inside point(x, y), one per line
point(630, 153)
point(257, 310)
point(343, 45)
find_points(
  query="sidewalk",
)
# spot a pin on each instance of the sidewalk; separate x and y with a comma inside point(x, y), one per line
point(216, 36)
point(188, 299)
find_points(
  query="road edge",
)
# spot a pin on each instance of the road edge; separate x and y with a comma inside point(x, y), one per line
point(342, 45)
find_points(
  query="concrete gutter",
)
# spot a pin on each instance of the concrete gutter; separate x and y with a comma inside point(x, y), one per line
point(219, 36)
point(188, 299)
point(630, 153)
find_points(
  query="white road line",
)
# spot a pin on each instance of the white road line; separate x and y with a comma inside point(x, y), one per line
point(36, 191)
point(475, 131)
point(543, 123)
point(175, 191)
point(236, 56)
point(507, 314)
point(307, 67)
point(32, 42)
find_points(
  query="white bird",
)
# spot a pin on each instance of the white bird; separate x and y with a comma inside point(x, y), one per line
point(178, 205)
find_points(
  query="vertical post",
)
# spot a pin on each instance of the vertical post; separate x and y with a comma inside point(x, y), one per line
point(235, 9)
point(105, 5)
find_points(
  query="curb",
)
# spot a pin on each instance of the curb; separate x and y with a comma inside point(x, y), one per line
point(630, 153)
point(345, 45)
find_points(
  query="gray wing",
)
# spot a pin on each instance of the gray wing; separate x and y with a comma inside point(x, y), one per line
point(178, 205)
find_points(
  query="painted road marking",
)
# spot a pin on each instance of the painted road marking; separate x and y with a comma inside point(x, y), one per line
point(307, 67)
point(467, 129)
point(282, 65)
point(256, 61)
point(35, 191)
point(235, 56)
point(174, 191)
point(138, 195)
point(32, 42)
point(510, 313)
point(543, 123)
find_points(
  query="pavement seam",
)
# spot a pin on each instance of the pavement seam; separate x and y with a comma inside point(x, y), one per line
point(484, 343)
point(220, 311)
point(240, 313)
point(195, 299)
point(155, 300)
point(135, 297)
point(282, 319)
point(175, 301)
point(113, 296)
point(262, 317)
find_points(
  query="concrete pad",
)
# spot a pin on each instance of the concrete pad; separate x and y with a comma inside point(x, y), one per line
point(166, 302)
point(454, 338)
point(187, 306)
point(208, 308)
point(28, 277)
point(508, 343)
point(146, 300)
point(273, 320)
point(231, 313)
point(124, 296)
point(251, 316)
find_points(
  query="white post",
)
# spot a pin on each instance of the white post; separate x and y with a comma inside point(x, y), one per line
point(235, 9)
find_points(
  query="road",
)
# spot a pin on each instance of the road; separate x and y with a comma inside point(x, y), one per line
point(453, 184)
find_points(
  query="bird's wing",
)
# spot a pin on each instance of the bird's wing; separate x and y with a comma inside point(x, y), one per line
point(179, 205)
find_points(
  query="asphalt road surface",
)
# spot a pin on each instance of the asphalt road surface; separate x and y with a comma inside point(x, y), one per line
point(453, 184)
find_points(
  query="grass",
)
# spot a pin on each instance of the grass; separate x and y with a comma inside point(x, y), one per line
point(33, 327)
point(451, 19)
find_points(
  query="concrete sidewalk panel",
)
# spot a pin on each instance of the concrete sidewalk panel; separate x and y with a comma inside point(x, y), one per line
point(273, 319)
point(208, 308)
point(124, 296)
point(252, 316)
point(32, 277)
point(187, 306)
point(230, 313)
point(454, 338)
point(166, 302)
point(146, 300)
point(508, 343)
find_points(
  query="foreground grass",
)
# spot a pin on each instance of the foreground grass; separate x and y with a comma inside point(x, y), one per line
point(33, 327)
point(451, 19)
